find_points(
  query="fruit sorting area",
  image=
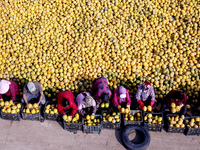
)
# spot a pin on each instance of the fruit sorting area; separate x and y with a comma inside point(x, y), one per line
point(66, 44)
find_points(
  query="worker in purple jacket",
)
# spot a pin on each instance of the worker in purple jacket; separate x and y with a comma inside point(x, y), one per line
point(86, 104)
point(101, 90)
point(145, 96)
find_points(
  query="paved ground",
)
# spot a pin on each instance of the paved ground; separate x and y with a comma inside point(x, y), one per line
point(49, 135)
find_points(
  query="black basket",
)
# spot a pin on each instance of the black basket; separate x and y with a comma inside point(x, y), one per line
point(13, 117)
point(154, 127)
point(48, 116)
point(30, 116)
point(93, 129)
point(72, 126)
point(133, 112)
point(110, 125)
point(174, 129)
point(191, 131)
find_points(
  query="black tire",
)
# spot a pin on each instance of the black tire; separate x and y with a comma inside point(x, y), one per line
point(136, 144)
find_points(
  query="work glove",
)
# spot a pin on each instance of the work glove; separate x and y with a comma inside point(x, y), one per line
point(140, 107)
point(140, 103)
point(151, 103)
point(181, 105)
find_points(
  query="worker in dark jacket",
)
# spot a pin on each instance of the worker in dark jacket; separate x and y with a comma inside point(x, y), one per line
point(101, 90)
point(177, 97)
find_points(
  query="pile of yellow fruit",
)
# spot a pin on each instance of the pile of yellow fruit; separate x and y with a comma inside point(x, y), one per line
point(32, 108)
point(75, 119)
point(66, 44)
point(111, 117)
point(51, 109)
point(193, 122)
point(10, 107)
point(91, 120)
point(133, 117)
point(104, 105)
point(153, 119)
point(175, 109)
point(176, 121)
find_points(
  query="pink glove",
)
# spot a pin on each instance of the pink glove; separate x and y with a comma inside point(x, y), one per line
point(151, 103)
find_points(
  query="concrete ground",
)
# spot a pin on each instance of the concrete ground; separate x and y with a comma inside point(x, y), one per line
point(49, 135)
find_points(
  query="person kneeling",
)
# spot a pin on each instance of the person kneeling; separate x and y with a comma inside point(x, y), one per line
point(33, 90)
point(121, 98)
point(9, 90)
point(86, 104)
point(66, 104)
point(145, 96)
point(173, 99)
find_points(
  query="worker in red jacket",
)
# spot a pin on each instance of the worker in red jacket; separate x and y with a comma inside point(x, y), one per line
point(9, 89)
point(177, 97)
point(66, 104)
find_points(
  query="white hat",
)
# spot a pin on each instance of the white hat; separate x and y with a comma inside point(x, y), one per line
point(31, 87)
point(122, 96)
point(4, 86)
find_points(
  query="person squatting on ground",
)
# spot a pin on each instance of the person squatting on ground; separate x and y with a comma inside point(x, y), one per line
point(9, 89)
point(101, 91)
point(86, 104)
point(33, 90)
point(121, 98)
point(177, 97)
point(145, 96)
point(66, 104)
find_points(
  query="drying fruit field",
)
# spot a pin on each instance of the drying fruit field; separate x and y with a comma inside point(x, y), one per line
point(66, 44)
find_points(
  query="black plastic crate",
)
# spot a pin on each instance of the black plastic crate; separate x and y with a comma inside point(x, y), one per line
point(30, 116)
point(72, 126)
point(154, 127)
point(174, 129)
point(133, 112)
point(48, 116)
point(10, 116)
point(191, 131)
point(93, 129)
point(110, 125)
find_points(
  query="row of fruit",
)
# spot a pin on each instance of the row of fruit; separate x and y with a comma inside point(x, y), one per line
point(174, 121)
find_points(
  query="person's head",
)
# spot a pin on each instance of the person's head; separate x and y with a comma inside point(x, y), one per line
point(87, 101)
point(122, 92)
point(105, 97)
point(65, 102)
point(146, 85)
point(31, 87)
point(179, 95)
point(4, 86)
